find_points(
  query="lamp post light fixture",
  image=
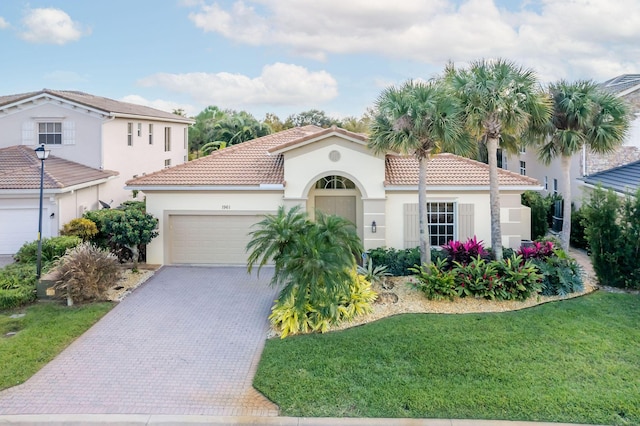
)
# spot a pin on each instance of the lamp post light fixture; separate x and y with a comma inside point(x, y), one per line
point(42, 154)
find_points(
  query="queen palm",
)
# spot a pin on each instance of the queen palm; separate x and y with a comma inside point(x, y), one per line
point(501, 101)
point(583, 116)
point(418, 119)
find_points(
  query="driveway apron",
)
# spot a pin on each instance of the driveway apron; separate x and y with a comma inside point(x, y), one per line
point(188, 341)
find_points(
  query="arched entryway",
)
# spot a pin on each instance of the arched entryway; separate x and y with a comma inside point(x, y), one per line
point(337, 195)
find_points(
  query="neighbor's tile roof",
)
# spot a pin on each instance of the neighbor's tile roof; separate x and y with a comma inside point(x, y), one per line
point(449, 170)
point(250, 163)
point(98, 102)
point(621, 179)
point(20, 169)
point(621, 83)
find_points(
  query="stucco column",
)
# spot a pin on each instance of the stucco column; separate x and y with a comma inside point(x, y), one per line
point(373, 210)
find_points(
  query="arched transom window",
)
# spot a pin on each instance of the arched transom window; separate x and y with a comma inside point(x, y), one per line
point(334, 182)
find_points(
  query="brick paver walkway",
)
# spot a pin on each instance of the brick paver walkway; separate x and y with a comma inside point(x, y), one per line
point(186, 342)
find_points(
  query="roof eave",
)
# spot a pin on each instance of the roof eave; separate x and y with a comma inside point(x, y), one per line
point(183, 120)
point(467, 188)
point(260, 187)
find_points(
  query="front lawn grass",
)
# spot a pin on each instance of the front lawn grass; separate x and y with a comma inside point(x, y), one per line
point(573, 361)
point(45, 330)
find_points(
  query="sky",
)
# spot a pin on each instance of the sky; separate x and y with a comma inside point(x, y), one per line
point(289, 56)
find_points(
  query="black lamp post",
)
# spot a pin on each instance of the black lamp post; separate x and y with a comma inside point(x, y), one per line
point(42, 155)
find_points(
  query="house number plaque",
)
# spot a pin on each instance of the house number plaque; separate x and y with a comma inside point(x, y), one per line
point(226, 207)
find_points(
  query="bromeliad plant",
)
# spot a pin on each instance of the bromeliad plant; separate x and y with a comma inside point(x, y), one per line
point(457, 251)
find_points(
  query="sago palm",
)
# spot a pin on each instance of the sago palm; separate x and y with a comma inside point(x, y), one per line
point(418, 119)
point(583, 116)
point(501, 101)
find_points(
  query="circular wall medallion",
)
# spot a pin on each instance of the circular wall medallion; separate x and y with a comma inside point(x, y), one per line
point(334, 156)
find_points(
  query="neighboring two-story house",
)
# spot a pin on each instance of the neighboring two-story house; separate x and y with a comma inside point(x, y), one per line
point(96, 144)
point(587, 163)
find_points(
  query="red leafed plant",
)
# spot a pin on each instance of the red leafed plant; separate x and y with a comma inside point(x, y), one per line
point(464, 252)
point(538, 250)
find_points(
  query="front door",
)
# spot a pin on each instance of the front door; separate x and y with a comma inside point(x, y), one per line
point(344, 206)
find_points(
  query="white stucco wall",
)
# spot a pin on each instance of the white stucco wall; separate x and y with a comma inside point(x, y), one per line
point(306, 164)
point(161, 204)
point(139, 158)
point(87, 128)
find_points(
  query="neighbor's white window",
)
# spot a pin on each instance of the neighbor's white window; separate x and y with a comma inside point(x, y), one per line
point(555, 186)
point(50, 133)
point(167, 162)
point(167, 139)
point(441, 217)
point(150, 133)
point(523, 168)
point(546, 183)
point(130, 134)
point(186, 137)
point(139, 129)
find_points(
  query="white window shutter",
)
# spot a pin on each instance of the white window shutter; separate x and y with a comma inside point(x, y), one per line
point(69, 133)
point(27, 133)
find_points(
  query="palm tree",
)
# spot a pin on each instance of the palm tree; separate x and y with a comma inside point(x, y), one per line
point(418, 119)
point(501, 101)
point(583, 116)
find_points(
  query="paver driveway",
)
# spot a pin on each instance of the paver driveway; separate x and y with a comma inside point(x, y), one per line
point(186, 342)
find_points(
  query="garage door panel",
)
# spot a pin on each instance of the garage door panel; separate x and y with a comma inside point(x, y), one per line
point(18, 226)
point(210, 239)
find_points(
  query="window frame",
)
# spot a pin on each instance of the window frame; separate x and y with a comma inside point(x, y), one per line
point(150, 133)
point(167, 139)
point(523, 168)
point(129, 133)
point(50, 134)
point(439, 233)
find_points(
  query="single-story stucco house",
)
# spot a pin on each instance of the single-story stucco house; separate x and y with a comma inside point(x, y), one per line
point(206, 207)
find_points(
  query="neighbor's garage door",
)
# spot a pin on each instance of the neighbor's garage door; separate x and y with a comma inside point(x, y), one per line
point(210, 239)
point(18, 226)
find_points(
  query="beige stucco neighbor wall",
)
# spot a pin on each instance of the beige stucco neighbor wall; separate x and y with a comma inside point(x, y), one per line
point(161, 204)
point(73, 204)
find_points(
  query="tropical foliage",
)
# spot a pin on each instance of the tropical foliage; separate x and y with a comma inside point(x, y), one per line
point(314, 265)
point(583, 115)
point(132, 229)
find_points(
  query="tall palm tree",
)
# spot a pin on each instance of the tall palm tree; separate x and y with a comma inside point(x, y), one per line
point(501, 101)
point(418, 119)
point(583, 116)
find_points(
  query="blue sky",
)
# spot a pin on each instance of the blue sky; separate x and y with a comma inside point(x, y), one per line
point(288, 56)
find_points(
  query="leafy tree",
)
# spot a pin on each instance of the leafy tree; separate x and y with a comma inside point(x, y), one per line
point(539, 206)
point(274, 123)
point(179, 111)
point(418, 119)
point(131, 229)
point(205, 120)
point(314, 117)
point(583, 115)
point(358, 125)
point(501, 101)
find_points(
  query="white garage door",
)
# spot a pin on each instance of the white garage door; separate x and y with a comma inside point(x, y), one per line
point(17, 226)
point(210, 239)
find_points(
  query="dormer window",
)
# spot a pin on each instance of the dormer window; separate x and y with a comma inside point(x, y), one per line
point(50, 133)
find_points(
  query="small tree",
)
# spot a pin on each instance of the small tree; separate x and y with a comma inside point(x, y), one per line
point(80, 227)
point(131, 229)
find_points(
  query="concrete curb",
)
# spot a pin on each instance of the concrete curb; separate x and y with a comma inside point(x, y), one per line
point(169, 420)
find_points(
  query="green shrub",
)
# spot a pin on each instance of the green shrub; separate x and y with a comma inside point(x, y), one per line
point(435, 280)
point(372, 274)
point(133, 204)
point(629, 247)
point(398, 261)
point(101, 217)
point(578, 238)
point(290, 318)
point(80, 227)
point(52, 249)
point(539, 211)
point(17, 285)
point(85, 273)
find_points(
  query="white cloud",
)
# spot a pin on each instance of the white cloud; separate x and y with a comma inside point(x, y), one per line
point(161, 104)
point(278, 84)
point(3, 23)
point(65, 77)
point(50, 26)
point(558, 38)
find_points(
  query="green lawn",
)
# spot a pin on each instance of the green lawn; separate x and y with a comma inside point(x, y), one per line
point(573, 361)
point(45, 330)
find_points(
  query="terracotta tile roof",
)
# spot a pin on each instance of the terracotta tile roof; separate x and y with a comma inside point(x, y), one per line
point(248, 163)
point(98, 102)
point(449, 170)
point(257, 162)
point(20, 169)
